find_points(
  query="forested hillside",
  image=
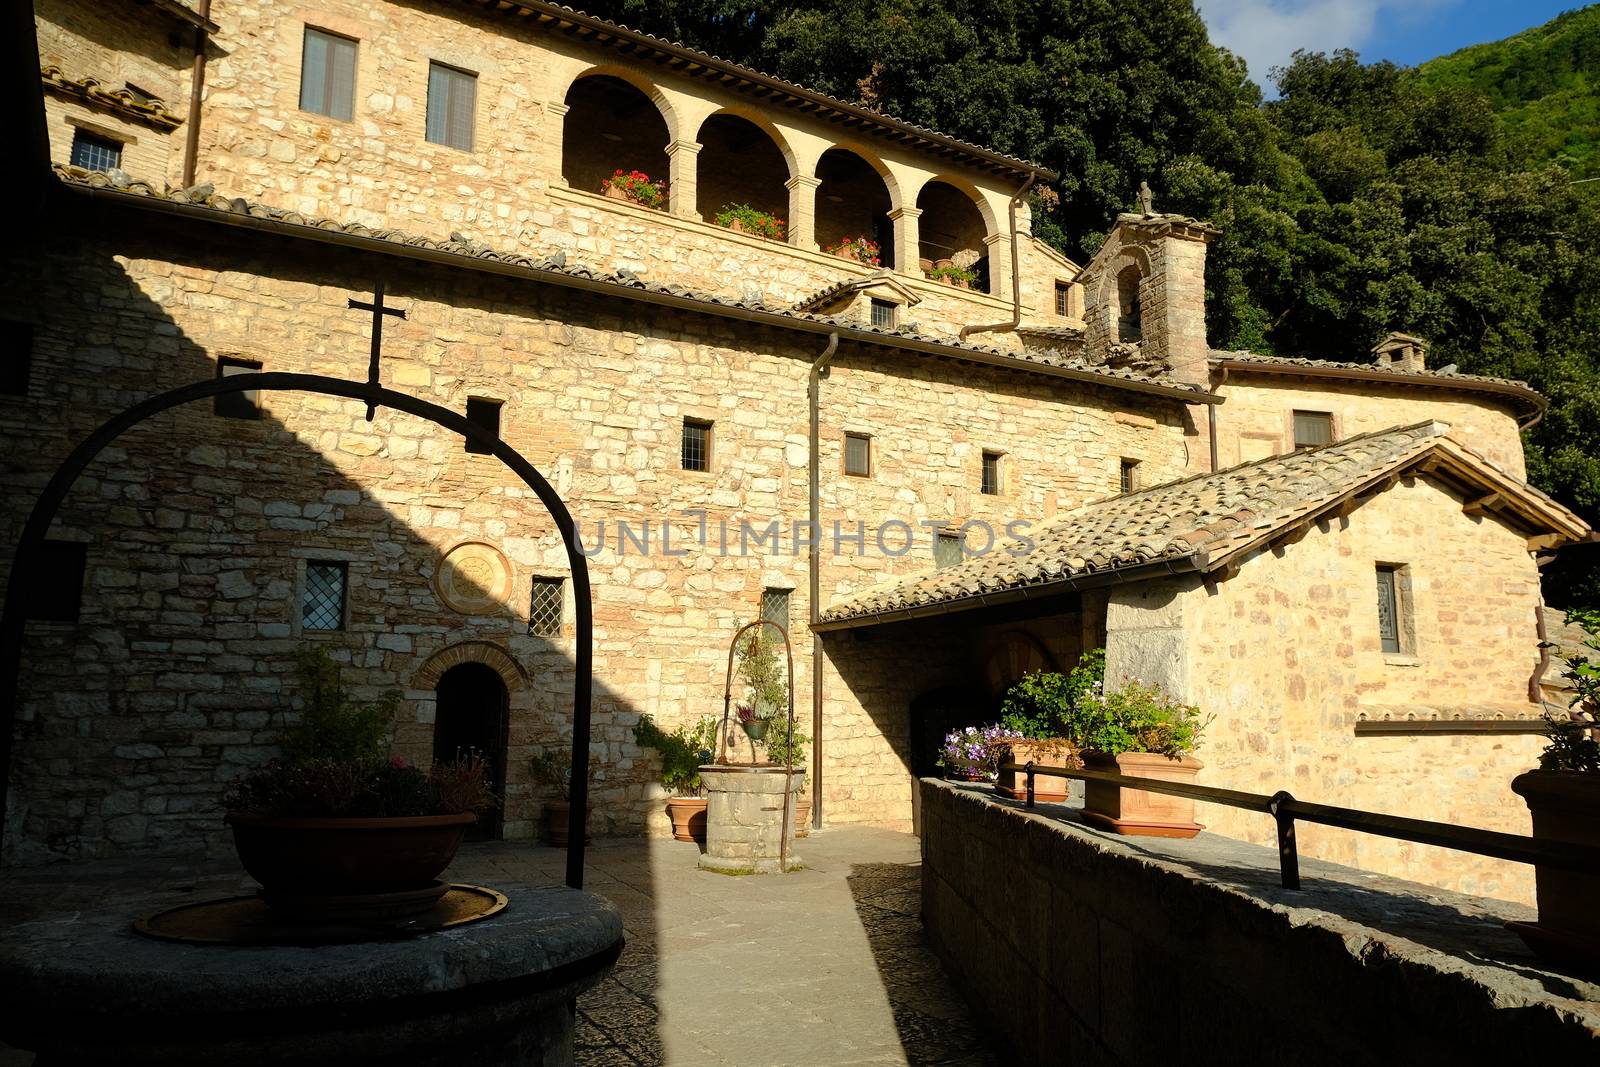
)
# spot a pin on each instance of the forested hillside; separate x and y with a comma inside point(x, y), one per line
point(1366, 198)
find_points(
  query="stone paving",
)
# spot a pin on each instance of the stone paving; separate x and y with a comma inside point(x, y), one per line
point(826, 965)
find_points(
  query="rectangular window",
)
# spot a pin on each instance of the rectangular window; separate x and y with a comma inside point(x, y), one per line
point(484, 412)
point(858, 455)
point(991, 473)
point(245, 405)
point(1129, 478)
point(16, 357)
point(322, 603)
point(696, 445)
point(53, 589)
point(452, 97)
point(1394, 610)
point(883, 313)
point(544, 611)
point(946, 549)
point(775, 607)
point(328, 74)
point(1063, 299)
point(1312, 429)
point(93, 152)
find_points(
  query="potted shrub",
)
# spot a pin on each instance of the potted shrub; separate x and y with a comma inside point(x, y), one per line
point(971, 753)
point(766, 701)
point(960, 277)
point(742, 218)
point(1563, 796)
point(1040, 711)
point(551, 768)
point(1140, 732)
point(683, 751)
point(862, 249)
point(336, 828)
point(635, 187)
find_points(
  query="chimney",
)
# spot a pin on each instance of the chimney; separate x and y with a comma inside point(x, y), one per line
point(1402, 352)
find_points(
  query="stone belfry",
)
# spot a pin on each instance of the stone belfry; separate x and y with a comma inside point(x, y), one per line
point(1146, 287)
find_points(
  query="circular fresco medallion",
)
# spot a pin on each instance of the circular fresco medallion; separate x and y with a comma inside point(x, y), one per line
point(474, 579)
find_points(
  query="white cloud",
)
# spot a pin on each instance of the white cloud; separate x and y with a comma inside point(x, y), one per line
point(1267, 32)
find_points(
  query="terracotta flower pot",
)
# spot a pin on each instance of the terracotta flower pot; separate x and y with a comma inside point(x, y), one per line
point(1047, 788)
point(558, 822)
point(616, 192)
point(924, 265)
point(1565, 806)
point(688, 816)
point(736, 226)
point(346, 857)
point(1133, 811)
point(938, 263)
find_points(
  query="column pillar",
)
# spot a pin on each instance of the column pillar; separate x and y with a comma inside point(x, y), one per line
point(685, 178)
point(999, 252)
point(555, 131)
point(907, 239)
point(803, 211)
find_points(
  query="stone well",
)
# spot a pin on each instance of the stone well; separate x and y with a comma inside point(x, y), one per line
point(745, 832)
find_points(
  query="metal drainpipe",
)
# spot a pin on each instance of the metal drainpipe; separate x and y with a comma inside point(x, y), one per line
point(1211, 417)
point(1016, 271)
point(819, 370)
point(197, 84)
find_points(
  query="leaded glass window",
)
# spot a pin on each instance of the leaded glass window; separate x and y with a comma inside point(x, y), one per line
point(858, 455)
point(452, 98)
point(775, 607)
point(1388, 610)
point(696, 445)
point(946, 549)
point(322, 604)
point(1312, 429)
point(883, 313)
point(328, 75)
point(544, 611)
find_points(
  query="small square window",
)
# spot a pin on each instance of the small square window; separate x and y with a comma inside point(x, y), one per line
point(1312, 429)
point(1128, 479)
point(93, 152)
point(485, 413)
point(544, 611)
point(16, 357)
point(452, 98)
point(696, 445)
point(328, 75)
point(1063, 300)
point(245, 405)
point(946, 549)
point(53, 589)
point(991, 474)
point(883, 313)
point(858, 455)
point(775, 607)
point(322, 602)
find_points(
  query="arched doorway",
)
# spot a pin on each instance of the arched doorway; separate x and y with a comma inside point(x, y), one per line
point(472, 715)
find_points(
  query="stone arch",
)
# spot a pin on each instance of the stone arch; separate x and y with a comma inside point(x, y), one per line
point(487, 653)
point(742, 160)
point(615, 120)
point(1130, 317)
point(954, 228)
point(855, 195)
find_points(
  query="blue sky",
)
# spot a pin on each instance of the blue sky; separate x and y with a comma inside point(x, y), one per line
point(1266, 32)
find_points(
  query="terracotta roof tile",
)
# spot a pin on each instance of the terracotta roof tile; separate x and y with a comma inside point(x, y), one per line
point(1420, 377)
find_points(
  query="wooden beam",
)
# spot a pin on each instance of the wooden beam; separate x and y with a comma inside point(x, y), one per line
point(1482, 505)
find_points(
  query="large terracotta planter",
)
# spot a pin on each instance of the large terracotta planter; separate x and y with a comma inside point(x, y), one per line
point(1565, 806)
point(1133, 811)
point(318, 865)
point(688, 816)
point(1047, 788)
point(558, 822)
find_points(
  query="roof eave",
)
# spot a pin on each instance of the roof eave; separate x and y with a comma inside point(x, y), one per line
point(1535, 401)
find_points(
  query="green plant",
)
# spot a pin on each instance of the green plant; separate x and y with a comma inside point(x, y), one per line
point(636, 186)
point(954, 274)
point(552, 768)
point(1044, 704)
point(862, 249)
point(1135, 718)
point(332, 726)
point(752, 220)
point(1573, 745)
point(784, 747)
point(683, 751)
point(763, 673)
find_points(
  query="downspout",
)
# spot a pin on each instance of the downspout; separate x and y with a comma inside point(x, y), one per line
point(1016, 270)
point(819, 370)
point(197, 84)
point(1536, 683)
point(1211, 418)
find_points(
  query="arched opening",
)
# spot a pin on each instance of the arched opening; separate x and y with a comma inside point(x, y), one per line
point(1130, 321)
point(611, 126)
point(471, 716)
point(740, 165)
point(952, 233)
point(852, 202)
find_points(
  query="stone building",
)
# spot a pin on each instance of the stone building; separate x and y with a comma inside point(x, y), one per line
point(217, 191)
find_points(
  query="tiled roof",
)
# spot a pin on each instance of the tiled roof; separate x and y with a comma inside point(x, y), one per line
point(470, 251)
point(1440, 379)
point(1197, 523)
point(121, 101)
point(831, 294)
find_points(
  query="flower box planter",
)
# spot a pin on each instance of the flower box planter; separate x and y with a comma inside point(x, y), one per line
point(688, 815)
point(1133, 811)
point(1047, 788)
point(1565, 806)
point(558, 822)
point(613, 192)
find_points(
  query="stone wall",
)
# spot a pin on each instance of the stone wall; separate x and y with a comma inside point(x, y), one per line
point(1285, 655)
point(1256, 419)
point(1077, 947)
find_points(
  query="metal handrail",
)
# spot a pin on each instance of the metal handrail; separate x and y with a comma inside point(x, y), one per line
point(1286, 811)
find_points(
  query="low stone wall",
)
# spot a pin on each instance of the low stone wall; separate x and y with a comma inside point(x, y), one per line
point(1082, 948)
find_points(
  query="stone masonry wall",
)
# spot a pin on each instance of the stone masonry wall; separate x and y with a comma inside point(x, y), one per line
point(198, 527)
point(1079, 947)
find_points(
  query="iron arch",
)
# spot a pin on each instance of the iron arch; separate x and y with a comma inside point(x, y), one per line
point(12, 622)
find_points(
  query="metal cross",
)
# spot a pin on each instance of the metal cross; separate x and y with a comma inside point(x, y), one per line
point(378, 312)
